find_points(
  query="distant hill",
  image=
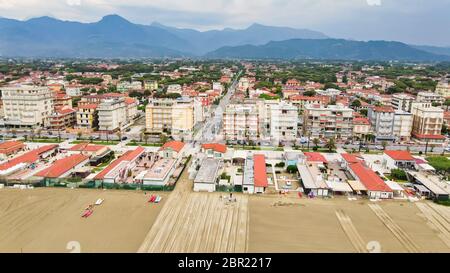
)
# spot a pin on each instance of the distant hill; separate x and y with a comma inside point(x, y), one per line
point(114, 37)
point(434, 49)
point(334, 49)
point(255, 34)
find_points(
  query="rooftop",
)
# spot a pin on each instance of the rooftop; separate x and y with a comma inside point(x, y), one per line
point(315, 157)
point(62, 166)
point(399, 155)
point(259, 171)
point(174, 145)
point(369, 178)
point(220, 148)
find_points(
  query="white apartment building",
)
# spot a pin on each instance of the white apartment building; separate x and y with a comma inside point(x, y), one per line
point(402, 125)
point(402, 101)
point(174, 88)
point(74, 90)
point(26, 106)
point(382, 121)
point(241, 122)
point(112, 114)
point(430, 97)
point(332, 121)
point(128, 86)
point(283, 122)
point(168, 115)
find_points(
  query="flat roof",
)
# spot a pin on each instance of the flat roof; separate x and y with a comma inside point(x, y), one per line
point(339, 186)
point(61, 166)
point(356, 185)
point(160, 169)
point(208, 171)
point(430, 184)
point(309, 177)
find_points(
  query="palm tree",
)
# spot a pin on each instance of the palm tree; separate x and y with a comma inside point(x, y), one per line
point(384, 144)
point(79, 134)
point(316, 142)
point(331, 144)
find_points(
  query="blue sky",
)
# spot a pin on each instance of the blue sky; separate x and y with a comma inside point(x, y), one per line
point(411, 21)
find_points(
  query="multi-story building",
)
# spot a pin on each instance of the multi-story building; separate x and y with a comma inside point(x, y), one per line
point(382, 121)
point(112, 114)
point(332, 121)
point(128, 86)
point(74, 90)
point(174, 88)
point(361, 127)
point(87, 116)
point(430, 97)
point(26, 106)
point(402, 125)
point(62, 100)
point(62, 118)
point(150, 85)
point(443, 89)
point(132, 111)
point(283, 122)
point(402, 101)
point(427, 123)
point(241, 122)
point(167, 115)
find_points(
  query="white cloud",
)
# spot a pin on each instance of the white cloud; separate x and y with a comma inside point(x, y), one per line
point(374, 2)
point(74, 2)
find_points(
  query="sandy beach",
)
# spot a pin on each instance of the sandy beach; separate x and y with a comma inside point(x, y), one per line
point(47, 219)
point(304, 225)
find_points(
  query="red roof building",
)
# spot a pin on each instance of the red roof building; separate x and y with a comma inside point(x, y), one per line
point(220, 148)
point(11, 147)
point(174, 145)
point(259, 171)
point(399, 155)
point(28, 157)
point(370, 179)
point(129, 156)
point(315, 157)
point(63, 166)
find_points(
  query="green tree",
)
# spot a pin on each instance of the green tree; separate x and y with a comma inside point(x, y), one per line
point(331, 144)
point(292, 169)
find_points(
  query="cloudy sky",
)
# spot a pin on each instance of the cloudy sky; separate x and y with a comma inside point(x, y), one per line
point(411, 21)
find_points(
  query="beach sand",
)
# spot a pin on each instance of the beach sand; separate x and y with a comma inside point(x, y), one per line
point(305, 225)
point(47, 219)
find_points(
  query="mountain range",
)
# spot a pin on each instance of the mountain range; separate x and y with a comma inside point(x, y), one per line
point(115, 37)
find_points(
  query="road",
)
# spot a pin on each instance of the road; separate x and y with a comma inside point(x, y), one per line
point(212, 126)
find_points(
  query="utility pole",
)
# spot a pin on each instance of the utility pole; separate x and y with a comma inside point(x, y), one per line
point(426, 147)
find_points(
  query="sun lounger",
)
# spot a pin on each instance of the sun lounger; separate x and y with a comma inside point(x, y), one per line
point(99, 201)
point(158, 199)
point(87, 213)
point(152, 198)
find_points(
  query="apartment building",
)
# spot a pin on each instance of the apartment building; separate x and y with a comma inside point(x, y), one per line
point(87, 116)
point(174, 88)
point(128, 86)
point(402, 101)
point(150, 85)
point(427, 123)
point(62, 118)
point(382, 121)
point(332, 121)
point(112, 114)
point(26, 106)
point(132, 110)
point(168, 115)
point(241, 122)
point(361, 127)
point(443, 89)
point(74, 90)
point(283, 122)
point(430, 97)
point(402, 125)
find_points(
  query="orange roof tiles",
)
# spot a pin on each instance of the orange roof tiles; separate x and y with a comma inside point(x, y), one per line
point(259, 171)
point(29, 157)
point(87, 147)
point(220, 148)
point(351, 158)
point(127, 156)
point(62, 166)
point(385, 109)
point(399, 155)
point(369, 178)
point(174, 145)
point(9, 146)
point(361, 121)
point(315, 157)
